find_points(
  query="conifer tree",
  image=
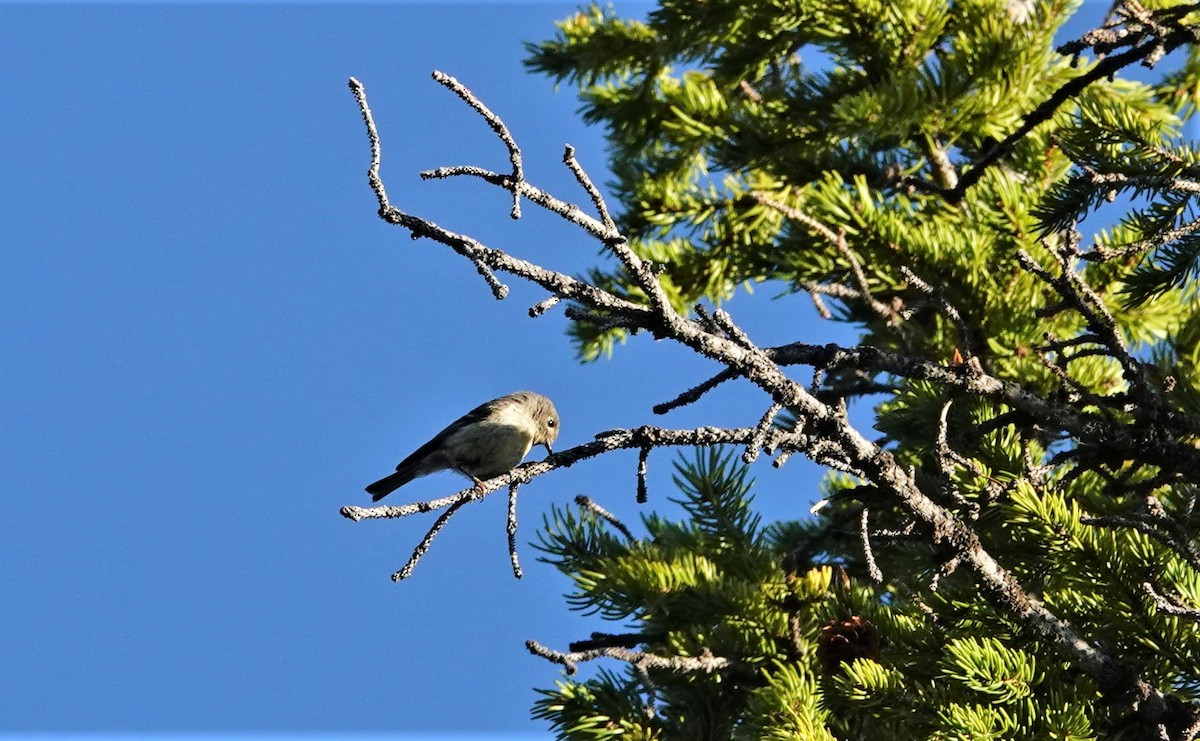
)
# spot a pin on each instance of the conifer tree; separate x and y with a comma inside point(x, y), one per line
point(1017, 556)
point(922, 168)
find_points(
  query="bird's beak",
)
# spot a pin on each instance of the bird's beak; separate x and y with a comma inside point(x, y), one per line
point(547, 447)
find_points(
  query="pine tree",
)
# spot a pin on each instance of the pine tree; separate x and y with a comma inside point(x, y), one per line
point(939, 175)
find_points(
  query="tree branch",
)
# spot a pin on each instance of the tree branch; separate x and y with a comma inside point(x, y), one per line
point(705, 662)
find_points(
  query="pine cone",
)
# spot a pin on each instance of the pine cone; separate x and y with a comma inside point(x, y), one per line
point(846, 640)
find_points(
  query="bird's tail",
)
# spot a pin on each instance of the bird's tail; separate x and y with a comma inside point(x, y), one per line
point(389, 484)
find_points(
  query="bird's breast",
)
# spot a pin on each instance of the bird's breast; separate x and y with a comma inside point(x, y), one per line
point(494, 446)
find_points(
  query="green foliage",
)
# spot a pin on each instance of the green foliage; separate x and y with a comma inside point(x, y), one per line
point(742, 136)
point(740, 600)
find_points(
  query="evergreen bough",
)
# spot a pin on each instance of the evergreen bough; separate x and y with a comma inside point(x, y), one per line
point(939, 176)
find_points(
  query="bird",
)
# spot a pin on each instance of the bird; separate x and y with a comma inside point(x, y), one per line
point(486, 442)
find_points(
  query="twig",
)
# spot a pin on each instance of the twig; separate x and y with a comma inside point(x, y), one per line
point(819, 304)
point(423, 547)
point(643, 494)
point(838, 241)
point(705, 662)
point(592, 191)
point(512, 529)
point(590, 505)
point(360, 94)
point(1077, 294)
point(564, 286)
point(731, 330)
point(499, 290)
point(541, 307)
point(760, 433)
point(1170, 605)
point(864, 534)
point(497, 125)
point(693, 394)
point(618, 439)
point(1154, 527)
point(965, 335)
point(610, 640)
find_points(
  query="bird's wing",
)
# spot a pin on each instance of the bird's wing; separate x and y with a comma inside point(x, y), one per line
point(475, 415)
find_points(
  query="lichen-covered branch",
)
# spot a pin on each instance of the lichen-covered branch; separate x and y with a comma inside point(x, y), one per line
point(705, 662)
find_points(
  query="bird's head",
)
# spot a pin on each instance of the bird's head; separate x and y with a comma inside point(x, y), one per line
point(545, 416)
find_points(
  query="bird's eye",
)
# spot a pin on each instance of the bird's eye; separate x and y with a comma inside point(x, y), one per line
point(551, 422)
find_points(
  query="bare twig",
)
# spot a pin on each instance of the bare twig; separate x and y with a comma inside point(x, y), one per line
point(864, 533)
point(965, 336)
point(693, 394)
point(731, 330)
point(760, 433)
point(819, 304)
point(423, 547)
point(497, 125)
point(590, 505)
point(838, 241)
point(705, 662)
point(593, 192)
point(643, 494)
point(1099, 319)
point(512, 529)
point(541, 307)
point(619, 439)
point(1170, 605)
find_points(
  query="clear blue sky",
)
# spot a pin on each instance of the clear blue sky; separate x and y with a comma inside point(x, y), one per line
point(210, 344)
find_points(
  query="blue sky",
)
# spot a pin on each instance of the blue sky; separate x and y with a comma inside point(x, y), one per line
point(210, 344)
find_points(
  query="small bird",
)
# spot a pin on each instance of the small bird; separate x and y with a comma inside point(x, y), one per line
point(487, 441)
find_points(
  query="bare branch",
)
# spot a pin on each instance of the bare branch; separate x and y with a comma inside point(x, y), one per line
point(1099, 319)
point(819, 304)
point(838, 241)
point(590, 505)
point(965, 336)
point(731, 330)
point(360, 94)
point(592, 191)
point(760, 433)
point(1170, 605)
point(423, 547)
point(497, 125)
point(643, 495)
point(559, 284)
point(512, 529)
point(619, 439)
point(543, 306)
point(864, 534)
point(705, 662)
point(693, 394)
